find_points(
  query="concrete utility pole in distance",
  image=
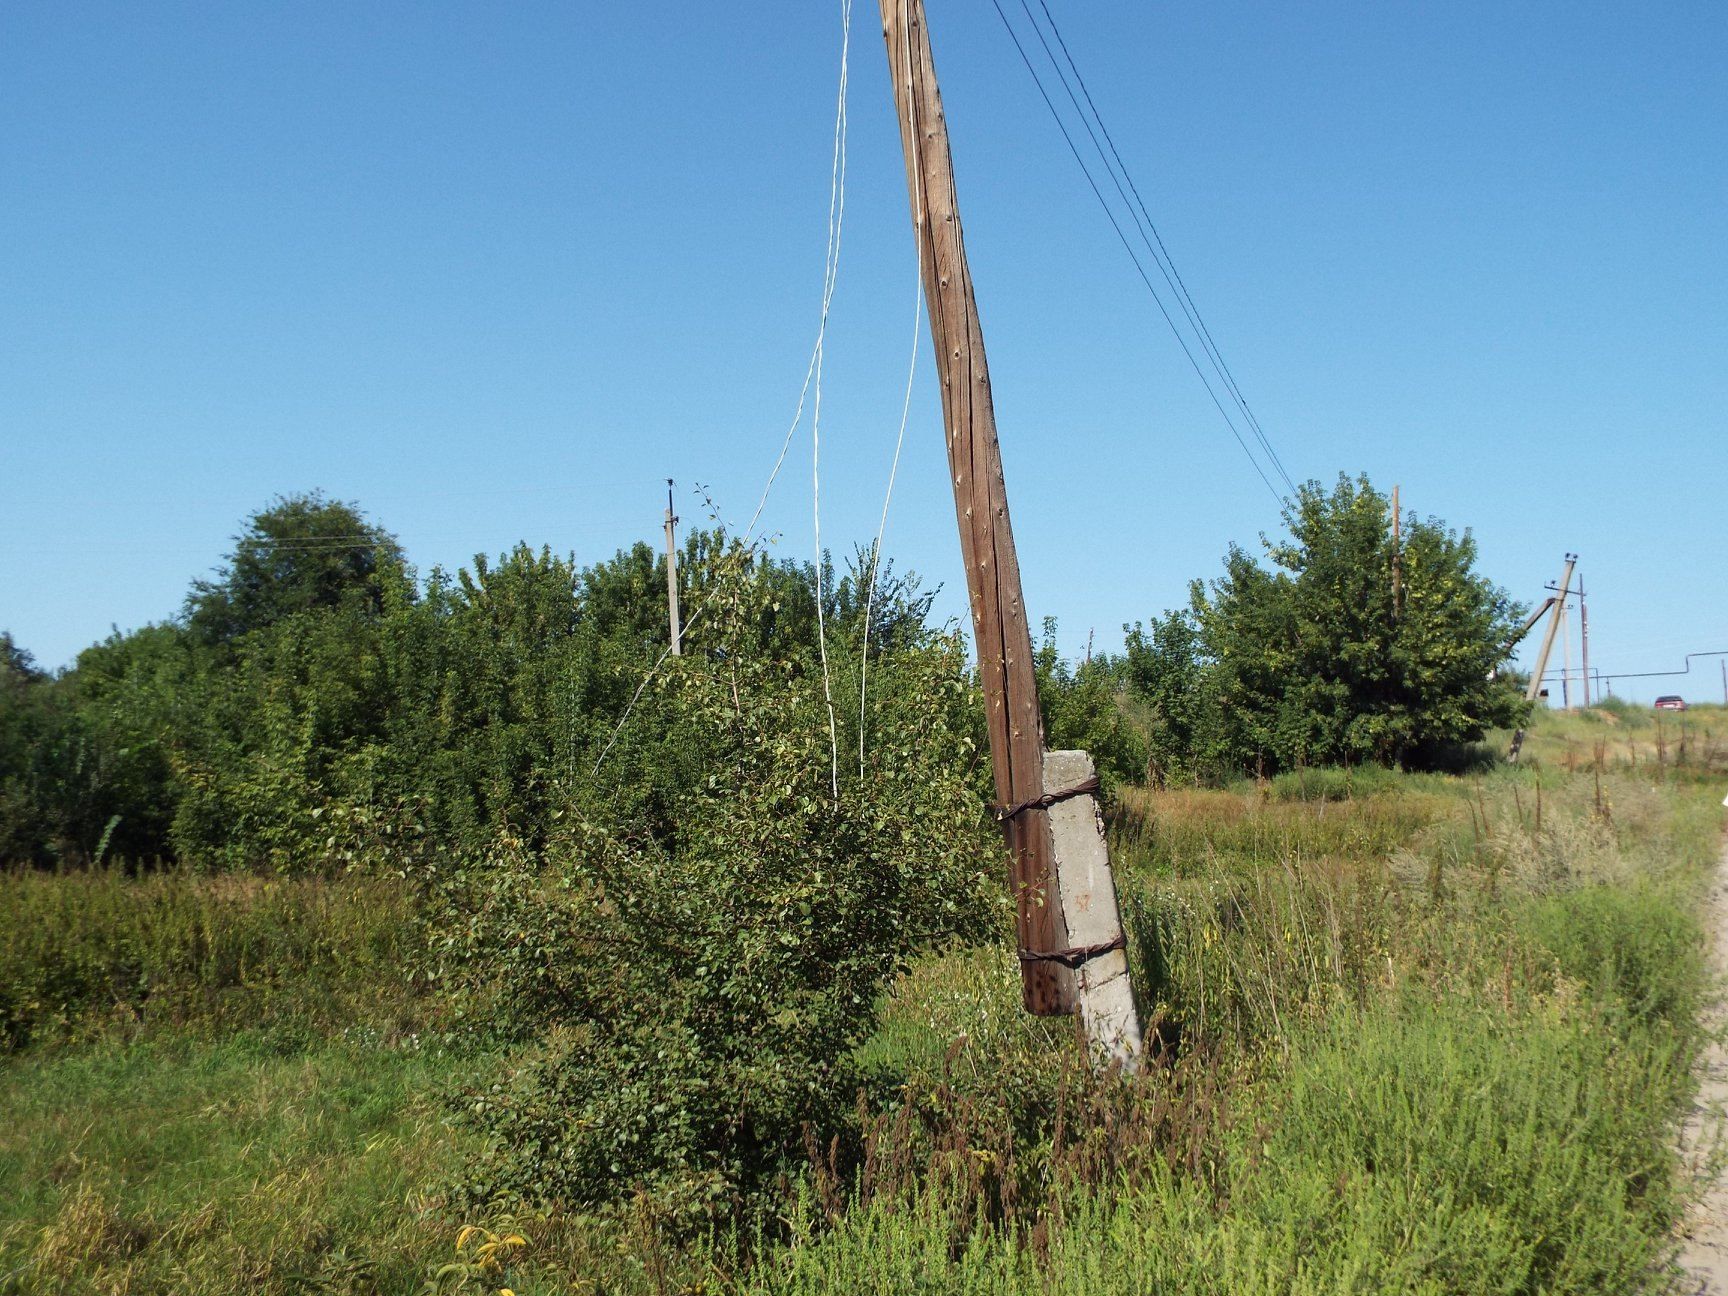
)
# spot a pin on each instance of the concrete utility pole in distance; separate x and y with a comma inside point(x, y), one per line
point(1534, 692)
point(1057, 976)
point(672, 575)
point(1397, 557)
point(1584, 638)
point(1565, 659)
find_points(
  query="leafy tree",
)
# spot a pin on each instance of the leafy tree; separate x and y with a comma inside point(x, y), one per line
point(86, 756)
point(1164, 670)
point(898, 606)
point(301, 554)
point(697, 997)
point(1307, 662)
point(625, 596)
point(22, 725)
point(124, 713)
point(1083, 707)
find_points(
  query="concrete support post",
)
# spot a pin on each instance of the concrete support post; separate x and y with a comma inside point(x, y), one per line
point(1088, 891)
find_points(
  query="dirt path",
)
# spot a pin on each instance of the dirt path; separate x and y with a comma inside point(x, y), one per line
point(1705, 1254)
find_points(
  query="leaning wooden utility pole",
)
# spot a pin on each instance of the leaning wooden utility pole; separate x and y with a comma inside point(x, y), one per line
point(672, 575)
point(1072, 953)
point(1534, 692)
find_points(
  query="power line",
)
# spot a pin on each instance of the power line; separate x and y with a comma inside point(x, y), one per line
point(1172, 279)
point(1143, 218)
point(836, 217)
point(1147, 227)
point(899, 440)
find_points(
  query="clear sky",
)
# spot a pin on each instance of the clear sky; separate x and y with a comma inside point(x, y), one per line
point(496, 271)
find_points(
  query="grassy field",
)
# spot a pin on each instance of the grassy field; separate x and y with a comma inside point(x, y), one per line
point(1413, 1033)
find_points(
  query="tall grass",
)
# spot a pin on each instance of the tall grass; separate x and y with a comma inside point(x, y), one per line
point(1401, 1149)
point(82, 952)
point(1410, 1034)
point(1615, 734)
point(1407, 1040)
point(201, 1167)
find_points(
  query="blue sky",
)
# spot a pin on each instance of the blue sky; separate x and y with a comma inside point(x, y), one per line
point(495, 272)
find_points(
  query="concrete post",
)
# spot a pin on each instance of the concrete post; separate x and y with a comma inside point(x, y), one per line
point(1088, 890)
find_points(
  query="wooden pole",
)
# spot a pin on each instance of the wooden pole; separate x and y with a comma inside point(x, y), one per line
point(672, 575)
point(1000, 628)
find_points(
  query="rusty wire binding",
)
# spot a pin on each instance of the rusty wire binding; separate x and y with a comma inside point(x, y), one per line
point(1005, 813)
point(1074, 955)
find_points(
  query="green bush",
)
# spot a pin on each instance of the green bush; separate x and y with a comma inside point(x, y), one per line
point(1333, 783)
point(691, 998)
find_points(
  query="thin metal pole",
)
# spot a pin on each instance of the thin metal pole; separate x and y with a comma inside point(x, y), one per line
point(1565, 658)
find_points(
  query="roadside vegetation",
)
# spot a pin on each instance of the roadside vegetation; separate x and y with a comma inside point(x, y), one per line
point(449, 970)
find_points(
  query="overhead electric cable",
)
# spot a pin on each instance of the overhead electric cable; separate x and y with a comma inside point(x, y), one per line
point(836, 217)
point(1147, 229)
point(1143, 217)
point(1134, 256)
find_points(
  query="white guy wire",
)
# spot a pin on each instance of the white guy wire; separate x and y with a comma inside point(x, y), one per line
point(905, 412)
point(836, 215)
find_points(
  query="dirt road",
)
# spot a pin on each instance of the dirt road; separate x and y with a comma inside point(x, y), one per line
point(1705, 1254)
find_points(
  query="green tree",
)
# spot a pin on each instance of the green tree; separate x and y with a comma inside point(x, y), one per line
point(1083, 707)
point(1164, 669)
point(122, 716)
point(23, 693)
point(1307, 661)
point(301, 554)
point(699, 987)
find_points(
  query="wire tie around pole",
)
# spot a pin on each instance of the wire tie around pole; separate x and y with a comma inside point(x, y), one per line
point(1074, 955)
point(1005, 813)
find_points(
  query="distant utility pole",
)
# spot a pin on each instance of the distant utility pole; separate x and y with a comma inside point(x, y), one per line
point(672, 574)
point(1558, 613)
point(1725, 681)
point(1566, 643)
point(1584, 637)
point(1565, 661)
point(1397, 557)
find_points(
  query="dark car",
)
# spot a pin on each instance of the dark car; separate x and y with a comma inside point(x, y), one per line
point(1673, 702)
